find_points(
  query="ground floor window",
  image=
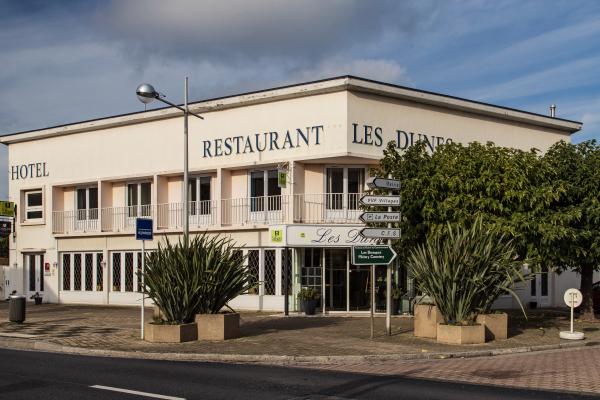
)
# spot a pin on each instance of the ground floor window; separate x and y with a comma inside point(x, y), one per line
point(125, 269)
point(82, 271)
point(266, 267)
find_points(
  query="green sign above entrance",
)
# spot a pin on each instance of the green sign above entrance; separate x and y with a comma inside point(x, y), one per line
point(372, 255)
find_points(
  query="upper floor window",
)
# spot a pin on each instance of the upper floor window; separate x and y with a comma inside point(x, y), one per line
point(34, 205)
point(265, 192)
point(344, 186)
point(199, 195)
point(139, 199)
point(87, 203)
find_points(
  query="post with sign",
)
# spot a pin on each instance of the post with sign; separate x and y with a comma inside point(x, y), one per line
point(143, 232)
point(573, 299)
point(388, 233)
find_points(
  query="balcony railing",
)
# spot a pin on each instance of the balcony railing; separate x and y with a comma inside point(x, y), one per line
point(339, 208)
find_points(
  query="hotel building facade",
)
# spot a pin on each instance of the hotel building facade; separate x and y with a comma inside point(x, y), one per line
point(79, 188)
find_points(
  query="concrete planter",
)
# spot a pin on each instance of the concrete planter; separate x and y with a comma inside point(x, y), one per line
point(218, 326)
point(156, 333)
point(426, 320)
point(459, 334)
point(496, 325)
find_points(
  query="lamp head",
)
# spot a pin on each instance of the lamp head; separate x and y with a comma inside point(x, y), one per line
point(146, 93)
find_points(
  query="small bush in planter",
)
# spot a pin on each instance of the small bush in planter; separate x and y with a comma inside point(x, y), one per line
point(195, 276)
point(309, 297)
point(464, 269)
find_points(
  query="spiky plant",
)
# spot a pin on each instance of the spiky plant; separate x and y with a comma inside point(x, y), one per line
point(198, 275)
point(465, 269)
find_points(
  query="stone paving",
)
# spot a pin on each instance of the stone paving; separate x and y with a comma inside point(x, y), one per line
point(117, 328)
point(572, 370)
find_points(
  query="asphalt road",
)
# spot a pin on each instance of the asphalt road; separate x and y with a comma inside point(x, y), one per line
point(39, 375)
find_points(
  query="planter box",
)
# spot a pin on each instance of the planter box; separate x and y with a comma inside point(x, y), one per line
point(496, 325)
point(218, 326)
point(427, 317)
point(458, 334)
point(170, 333)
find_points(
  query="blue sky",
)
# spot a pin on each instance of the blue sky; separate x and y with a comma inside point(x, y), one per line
point(65, 61)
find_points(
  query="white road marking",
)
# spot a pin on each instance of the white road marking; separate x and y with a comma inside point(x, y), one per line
point(138, 393)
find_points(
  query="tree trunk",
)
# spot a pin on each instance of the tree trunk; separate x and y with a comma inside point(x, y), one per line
point(587, 305)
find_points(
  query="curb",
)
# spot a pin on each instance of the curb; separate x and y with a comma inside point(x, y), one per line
point(39, 345)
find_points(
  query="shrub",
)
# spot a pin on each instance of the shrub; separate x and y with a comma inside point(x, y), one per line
point(465, 269)
point(197, 276)
point(308, 294)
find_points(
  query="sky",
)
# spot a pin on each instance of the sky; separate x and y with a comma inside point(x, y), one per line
point(65, 61)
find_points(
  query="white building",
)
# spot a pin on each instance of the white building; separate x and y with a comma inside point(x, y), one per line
point(79, 187)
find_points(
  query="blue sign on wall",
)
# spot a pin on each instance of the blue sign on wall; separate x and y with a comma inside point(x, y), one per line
point(143, 229)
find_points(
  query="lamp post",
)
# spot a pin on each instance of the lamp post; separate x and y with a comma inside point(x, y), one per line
point(146, 94)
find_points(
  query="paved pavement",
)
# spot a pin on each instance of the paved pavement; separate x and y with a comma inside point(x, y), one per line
point(576, 370)
point(31, 375)
point(117, 328)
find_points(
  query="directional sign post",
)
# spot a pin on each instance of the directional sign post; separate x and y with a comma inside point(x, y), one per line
point(388, 233)
point(380, 233)
point(383, 183)
point(379, 217)
point(380, 200)
point(372, 255)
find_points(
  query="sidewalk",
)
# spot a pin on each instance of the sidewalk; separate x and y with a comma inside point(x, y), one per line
point(117, 328)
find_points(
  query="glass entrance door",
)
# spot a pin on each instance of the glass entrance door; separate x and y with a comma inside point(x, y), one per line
point(539, 289)
point(35, 273)
point(360, 288)
point(335, 279)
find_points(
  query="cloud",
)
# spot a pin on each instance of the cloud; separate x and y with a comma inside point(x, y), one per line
point(378, 69)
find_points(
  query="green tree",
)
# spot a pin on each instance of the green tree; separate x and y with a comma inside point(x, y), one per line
point(575, 244)
point(547, 205)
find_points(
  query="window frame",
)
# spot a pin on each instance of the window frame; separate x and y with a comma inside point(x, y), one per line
point(27, 208)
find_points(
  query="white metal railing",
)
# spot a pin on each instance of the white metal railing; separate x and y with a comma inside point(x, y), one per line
point(75, 221)
point(319, 208)
point(339, 208)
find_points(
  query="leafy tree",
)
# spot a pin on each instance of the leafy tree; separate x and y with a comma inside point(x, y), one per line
point(547, 205)
point(575, 244)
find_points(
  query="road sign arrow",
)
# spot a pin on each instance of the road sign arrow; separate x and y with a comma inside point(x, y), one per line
point(372, 255)
point(380, 233)
point(370, 200)
point(380, 217)
point(383, 183)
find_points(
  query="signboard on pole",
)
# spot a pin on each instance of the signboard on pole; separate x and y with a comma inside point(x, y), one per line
point(380, 217)
point(381, 233)
point(370, 200)
point(372, 255)
point(7, 209)
point(143, 229)
point(5, 227)
point(383, 183)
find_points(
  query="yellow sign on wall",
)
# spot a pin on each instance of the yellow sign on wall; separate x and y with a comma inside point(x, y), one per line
point(7, 209)
point(276, 235)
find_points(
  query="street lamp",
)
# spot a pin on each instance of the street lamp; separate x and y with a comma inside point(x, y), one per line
point(146, 94)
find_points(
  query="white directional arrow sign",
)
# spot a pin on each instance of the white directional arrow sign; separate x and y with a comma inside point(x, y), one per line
point(383, 183)
point(380, 217)
point(380, 233)
point(380, 200)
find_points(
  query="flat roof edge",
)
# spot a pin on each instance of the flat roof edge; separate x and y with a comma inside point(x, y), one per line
point(340, 83)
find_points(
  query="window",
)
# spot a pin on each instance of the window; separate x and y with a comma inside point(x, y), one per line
point(82, 271)
point(125, 271)
point(199, 195)
point(265, 192)
point(34, 205)
point(139, 199)
point(344, 187)
point(87, 203)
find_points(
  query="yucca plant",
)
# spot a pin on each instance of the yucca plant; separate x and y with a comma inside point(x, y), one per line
point(194, 276)
point(465, 269)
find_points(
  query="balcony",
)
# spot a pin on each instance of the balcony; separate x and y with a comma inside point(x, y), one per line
point(331, 208)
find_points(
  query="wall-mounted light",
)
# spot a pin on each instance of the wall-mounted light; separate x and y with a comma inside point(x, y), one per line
point(103, 263)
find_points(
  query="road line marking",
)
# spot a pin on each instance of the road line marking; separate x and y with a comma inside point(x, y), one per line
point(138, 393)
